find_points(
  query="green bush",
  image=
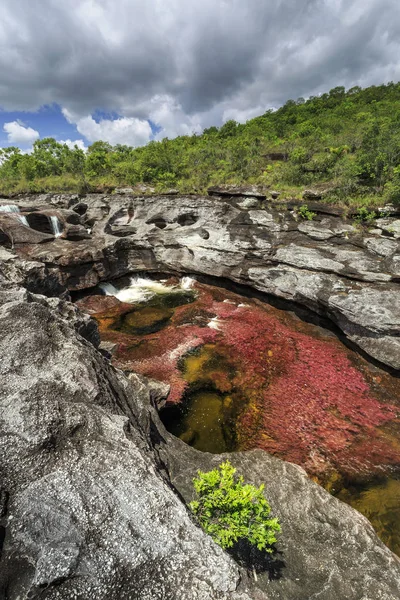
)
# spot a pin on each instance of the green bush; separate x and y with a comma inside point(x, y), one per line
point(306, 214)
point(229, 510)
point(365, 216)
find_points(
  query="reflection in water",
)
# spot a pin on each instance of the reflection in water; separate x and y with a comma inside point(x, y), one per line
point(246, 375)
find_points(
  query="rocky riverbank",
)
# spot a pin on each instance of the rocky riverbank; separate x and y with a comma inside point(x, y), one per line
point(92, 486)
point(333, 267)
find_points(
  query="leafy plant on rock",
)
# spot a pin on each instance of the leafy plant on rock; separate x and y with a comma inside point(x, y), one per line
point(230, 510)
point(306, 214)
point(364, 215)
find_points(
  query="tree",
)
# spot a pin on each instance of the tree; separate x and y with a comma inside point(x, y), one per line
point(229, 510)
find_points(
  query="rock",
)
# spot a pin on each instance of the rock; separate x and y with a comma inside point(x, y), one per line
point(76, 233)
point(389, 226)
point(74, 219)
point(92, 487)
point(252, 192)
point(88, 511)
point(13, 231)
point(312, 195)
point(390, 210)
point(124, 191)
point(318, 207)
point(331, 552)
point(73, 200)
point(122, 230)
point(248, 203)
point(274, 195)
point(80, 208)
point(382, 246)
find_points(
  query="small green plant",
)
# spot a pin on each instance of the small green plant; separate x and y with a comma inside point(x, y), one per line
point(365, 216)
point(229, 510)
point(305, 213)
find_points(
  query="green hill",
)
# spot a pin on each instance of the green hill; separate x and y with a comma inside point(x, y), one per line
point(344, 143)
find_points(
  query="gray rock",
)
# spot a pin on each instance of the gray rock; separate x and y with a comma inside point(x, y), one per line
point(124, 191)
point(305, 262)
point(231, 191)
point(325, 550)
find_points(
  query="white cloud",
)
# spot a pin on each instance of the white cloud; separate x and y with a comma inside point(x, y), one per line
point(125, 130)
point(19, 134)
point(168, 114)
point(72, 143)
point(187, 65)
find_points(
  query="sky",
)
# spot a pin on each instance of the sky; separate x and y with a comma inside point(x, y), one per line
point(129, 71)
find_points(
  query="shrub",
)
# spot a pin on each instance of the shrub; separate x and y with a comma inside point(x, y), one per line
point(229, 510)
point(305, 213)
point(365, 216)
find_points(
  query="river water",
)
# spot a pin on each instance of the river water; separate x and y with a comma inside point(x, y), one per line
point(244, 374)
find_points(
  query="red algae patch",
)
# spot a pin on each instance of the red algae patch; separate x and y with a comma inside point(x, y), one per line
point(294, 389)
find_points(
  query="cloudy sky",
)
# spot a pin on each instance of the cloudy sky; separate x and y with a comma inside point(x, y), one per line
point(129, 71)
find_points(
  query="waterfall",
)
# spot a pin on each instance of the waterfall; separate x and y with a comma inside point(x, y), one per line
point(142, 289)
point(23, 220)
point(55, 226)
point(10, 208)
point(13, 208)
point(187, 283)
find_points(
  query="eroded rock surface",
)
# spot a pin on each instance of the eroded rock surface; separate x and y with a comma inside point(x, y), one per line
point(88, 477)
point(332, 267)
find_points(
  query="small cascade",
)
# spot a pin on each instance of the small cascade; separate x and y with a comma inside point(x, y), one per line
point(108, 289)
point(23, 220)
point(9, 208)
point(142, 289)
point(55, 226)
point(187, 283)
point(13, 208)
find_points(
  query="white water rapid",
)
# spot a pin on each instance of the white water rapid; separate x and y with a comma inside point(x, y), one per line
point(142, 289)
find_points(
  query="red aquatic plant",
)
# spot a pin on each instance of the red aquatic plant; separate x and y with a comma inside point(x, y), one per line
point(299, 392)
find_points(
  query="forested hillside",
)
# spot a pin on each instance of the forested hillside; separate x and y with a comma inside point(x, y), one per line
point(344, 143)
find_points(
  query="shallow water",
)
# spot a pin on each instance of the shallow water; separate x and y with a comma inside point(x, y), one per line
point(244, 374)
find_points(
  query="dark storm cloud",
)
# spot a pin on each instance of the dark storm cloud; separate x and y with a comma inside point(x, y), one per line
point(185, 63)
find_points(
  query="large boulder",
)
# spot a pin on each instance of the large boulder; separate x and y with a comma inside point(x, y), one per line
point(325, 550)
